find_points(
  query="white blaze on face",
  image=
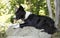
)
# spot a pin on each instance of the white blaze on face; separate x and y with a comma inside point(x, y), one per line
point(27, 14)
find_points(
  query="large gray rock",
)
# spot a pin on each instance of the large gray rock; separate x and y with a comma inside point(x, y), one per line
point(26, 32)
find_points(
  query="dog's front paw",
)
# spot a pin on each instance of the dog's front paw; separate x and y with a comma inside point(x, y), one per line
point(15, 26)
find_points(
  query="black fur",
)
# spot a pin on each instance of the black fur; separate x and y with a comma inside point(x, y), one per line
point(37, 21)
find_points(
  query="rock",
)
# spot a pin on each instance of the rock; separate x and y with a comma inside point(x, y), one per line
point(26, 32)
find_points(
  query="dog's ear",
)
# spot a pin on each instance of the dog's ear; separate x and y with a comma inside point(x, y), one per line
point(21, 8)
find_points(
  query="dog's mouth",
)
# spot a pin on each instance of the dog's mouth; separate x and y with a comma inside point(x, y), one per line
point(16, 20)
point(20, 21)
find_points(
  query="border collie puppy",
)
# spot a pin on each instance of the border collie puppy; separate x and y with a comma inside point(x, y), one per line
point(37, 21)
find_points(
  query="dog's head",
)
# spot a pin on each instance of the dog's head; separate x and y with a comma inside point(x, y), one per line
point(20, 13)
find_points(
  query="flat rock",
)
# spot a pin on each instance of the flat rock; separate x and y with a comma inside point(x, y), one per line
point(26, 32)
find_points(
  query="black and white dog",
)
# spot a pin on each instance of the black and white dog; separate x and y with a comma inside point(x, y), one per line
point(37, 21)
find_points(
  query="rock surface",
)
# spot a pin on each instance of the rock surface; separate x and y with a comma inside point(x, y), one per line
point(26, 32)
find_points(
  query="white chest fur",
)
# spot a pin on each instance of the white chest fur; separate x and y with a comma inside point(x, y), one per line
point(27, 14)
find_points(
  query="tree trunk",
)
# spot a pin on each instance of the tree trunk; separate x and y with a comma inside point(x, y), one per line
point(57, 14)
point(49, 8)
